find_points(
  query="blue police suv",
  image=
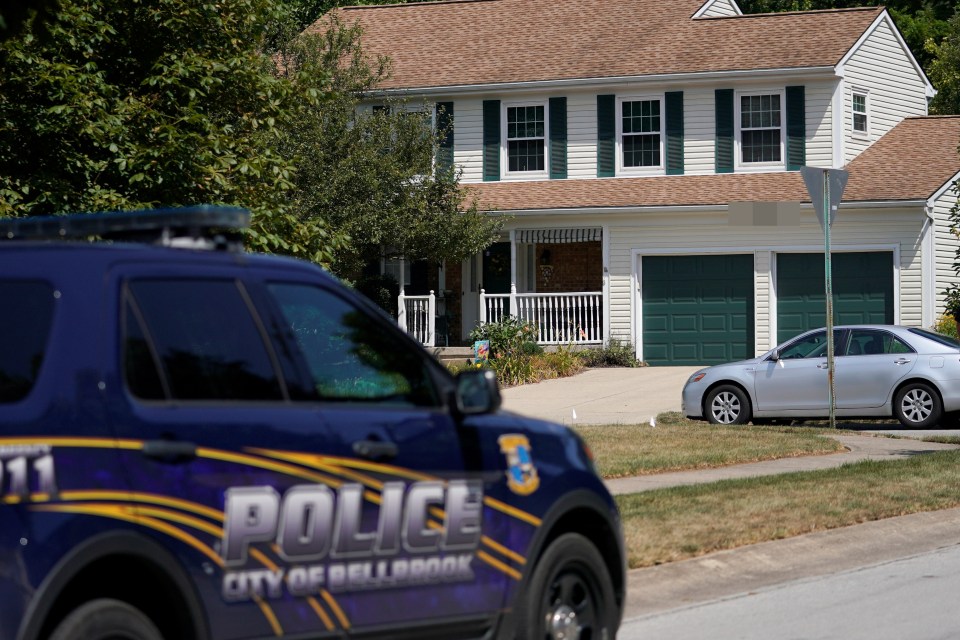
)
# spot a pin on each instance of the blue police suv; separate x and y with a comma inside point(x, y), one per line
point(202, 443)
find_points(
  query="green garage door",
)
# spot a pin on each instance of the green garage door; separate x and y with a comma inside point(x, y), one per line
point(697, 309)
point(862, 290)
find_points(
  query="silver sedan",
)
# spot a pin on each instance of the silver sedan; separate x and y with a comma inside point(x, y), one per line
point(882, 371)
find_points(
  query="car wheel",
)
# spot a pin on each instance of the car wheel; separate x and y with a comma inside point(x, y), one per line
point(570, 594)
point(917, 406)
point(106, 619)
point(728, 405)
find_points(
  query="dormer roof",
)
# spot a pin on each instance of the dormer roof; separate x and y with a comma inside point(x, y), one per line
point(476, 43)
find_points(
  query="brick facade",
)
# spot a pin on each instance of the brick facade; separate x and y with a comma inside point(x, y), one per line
point(575, 267)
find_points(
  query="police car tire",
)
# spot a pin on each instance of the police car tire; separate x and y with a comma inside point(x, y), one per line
point(571, 557)
point(106, 619)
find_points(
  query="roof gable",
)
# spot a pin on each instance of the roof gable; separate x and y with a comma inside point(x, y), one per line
point(464, 43)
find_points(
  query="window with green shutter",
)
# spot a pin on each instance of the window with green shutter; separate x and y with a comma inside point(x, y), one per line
point(606, 135)
point(796, 128)
point(491, 140)
point(723, 107)
point(444, 124)
point(558, 138)
point(674, 128)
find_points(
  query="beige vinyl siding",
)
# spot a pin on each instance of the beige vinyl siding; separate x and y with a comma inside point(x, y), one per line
point(762, 277)
point(468, 138)
point(946, 245)
point(582, 135)
point(819, 124)
point(719, 8)
point(895, 90)
point(699, 131)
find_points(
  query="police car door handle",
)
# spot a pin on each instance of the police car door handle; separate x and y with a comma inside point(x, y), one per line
point(170, 450)
point(375, 449)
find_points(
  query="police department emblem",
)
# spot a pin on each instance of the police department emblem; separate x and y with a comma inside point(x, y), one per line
point(522, 476)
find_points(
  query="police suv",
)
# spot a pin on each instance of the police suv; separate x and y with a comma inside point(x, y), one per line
point(201, 443)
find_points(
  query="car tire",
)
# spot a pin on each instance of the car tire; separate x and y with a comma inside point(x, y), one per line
point(106, 619)
point(570, 594)
point(727, 404)
point(917, 406)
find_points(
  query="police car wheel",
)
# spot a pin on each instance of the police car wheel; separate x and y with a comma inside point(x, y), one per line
point(570, 595)
point(106, 619)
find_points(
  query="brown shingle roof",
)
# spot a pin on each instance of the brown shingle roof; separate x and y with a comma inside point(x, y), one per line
point(911, 162)
point(475, 42)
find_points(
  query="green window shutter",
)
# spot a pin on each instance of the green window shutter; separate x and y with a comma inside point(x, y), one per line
point(674, 142)
point(723, 105)
point(445, 125)
point(796, 128)
point(558, 138)
point(491, 140)
point(606, 136)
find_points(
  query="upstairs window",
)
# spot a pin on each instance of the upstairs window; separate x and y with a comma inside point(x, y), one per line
point(761, 129)
point(526, 136)
point(641, 140)
point(860, 123)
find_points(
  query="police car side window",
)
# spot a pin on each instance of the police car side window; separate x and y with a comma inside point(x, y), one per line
point(350, 356)
point(195, 340)
point(24, 331)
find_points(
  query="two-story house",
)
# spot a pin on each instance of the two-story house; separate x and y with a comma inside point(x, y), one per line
point(646, 152)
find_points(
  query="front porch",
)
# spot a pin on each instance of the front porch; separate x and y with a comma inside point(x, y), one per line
point(554, 279)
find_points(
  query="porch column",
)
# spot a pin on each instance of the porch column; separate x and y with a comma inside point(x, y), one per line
point(513, 273)
point(605, 297)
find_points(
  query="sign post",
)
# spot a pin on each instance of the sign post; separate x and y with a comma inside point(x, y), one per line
point(825, 187)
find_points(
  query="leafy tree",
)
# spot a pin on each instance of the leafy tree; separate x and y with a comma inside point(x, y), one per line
point(370, 173)
point(944, 70)
point(143, 103)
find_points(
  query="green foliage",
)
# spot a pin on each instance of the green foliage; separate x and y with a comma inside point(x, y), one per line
point(370, 173)
point(143, 103)
point(947, 325)
point(944, 70)
point(613, 354)
point(507, 343)
point(383, 290)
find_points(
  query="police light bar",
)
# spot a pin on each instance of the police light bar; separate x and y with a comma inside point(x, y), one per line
point(196, 226)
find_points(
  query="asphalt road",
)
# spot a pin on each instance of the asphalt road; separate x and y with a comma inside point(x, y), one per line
point(910, 598)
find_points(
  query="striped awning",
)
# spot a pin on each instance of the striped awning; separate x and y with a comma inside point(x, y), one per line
point(559, 236)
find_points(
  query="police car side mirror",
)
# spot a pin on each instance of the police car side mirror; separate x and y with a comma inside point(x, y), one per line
point(477, 392)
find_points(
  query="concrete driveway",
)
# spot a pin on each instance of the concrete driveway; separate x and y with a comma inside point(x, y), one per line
point(602, 396)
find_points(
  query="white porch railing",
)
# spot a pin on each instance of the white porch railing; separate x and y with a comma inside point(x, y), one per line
point(417, 316)
point(561, 318)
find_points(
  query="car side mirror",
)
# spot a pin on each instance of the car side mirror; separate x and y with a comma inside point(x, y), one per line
point(477, 392)
point(775, 356)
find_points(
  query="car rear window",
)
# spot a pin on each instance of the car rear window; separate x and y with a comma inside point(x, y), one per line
point(936, 337)
point(24, 332)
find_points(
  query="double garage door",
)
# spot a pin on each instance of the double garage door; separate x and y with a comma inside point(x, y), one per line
point(701, 309)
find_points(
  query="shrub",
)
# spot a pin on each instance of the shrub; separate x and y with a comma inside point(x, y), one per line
point(508, 356)
point(614, 354)
point(947, 325)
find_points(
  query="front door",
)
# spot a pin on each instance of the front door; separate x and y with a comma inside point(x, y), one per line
point(496, 268)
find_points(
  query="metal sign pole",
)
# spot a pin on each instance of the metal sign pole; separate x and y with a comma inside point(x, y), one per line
point(825, 187)
point(828, 286)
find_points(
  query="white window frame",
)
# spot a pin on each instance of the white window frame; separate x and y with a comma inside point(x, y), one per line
point(505, 172)
point(653, 169)
point(866, 113)
point(739, 164)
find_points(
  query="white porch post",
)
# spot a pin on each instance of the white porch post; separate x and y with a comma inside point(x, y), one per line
point(513, 273)
point(402, 307)
point(431, 320)
point(605, 297)
point(483, 307)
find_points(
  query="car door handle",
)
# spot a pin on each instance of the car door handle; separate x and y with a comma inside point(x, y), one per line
point(375, 449)
point(823, 365)
point(170, 450)
point(902, 361)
